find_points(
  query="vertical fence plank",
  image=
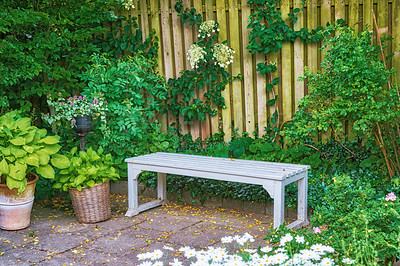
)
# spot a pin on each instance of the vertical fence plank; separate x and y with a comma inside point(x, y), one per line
point(167, 50)
point(286, 77)
point(205, 125)
point(339, 10)
point(179, 54)
point(236, 84)
point(155, 24)
point(354, 19)
point(144, 19)
point(247, 72)
point(195, 127)
point(326, 17)
point(395, 31)
point(312, 47)
point(367, 14)
point(298, 56)
point(223, 35)
point(382, 19)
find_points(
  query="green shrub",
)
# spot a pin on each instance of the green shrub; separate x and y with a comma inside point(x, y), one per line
point(352, 86)
point(358, 219)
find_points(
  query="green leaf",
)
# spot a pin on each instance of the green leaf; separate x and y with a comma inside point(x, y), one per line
point(91, 183)
point(4, 167)
point(275, 81)
point(57, 185)
point(46, 171)
point(18, 141)
point(24, 123)
point(32, 159)
point(50, 140)
point(269, 87)
point(44, 157)
point(28, 148)
point(18, 171)
point(51, 149)
point(60, 161)
point(79, 180)
point(18, 184)
point(17, 152)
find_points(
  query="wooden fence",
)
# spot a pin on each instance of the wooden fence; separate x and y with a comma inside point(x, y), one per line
point(246, 100)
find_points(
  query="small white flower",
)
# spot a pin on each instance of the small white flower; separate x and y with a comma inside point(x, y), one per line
point(286, 238)
point(249, 250)
point(157, 254)
point(158, 263)
point(227, 239)
point(176, 262)
point(266, 249)
point(168, 248)
point(327, 261)
point(348, 261)
point(300, 239)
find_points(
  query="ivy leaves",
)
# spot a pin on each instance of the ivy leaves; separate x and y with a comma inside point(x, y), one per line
point(268, 33)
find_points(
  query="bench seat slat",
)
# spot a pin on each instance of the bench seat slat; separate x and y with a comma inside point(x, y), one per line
point(220, 165)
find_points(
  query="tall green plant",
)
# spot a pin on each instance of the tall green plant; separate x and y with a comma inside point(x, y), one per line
point(135, 95)
point(352, 86)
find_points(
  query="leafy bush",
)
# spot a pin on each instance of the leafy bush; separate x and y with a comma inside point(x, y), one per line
point(135, 94)
point(86, 170)
point(25, 149)
point(358, 219)
point(352, 86)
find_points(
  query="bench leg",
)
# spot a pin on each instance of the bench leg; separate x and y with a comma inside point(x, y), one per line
point(162, 187)
point(133, 195)
point(279, 203)
point(302, 200)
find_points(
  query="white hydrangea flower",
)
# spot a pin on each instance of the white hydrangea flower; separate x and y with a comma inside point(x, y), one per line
point(222, 54)
point(207, 27)
point(128, 4)
point(195, 55)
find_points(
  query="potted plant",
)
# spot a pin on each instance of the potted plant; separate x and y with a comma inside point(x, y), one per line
point(76, 110)
point(87, 180)
point(25, 152)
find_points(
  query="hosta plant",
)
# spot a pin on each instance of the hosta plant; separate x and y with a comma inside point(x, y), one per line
point(86, 170)
point(26, 149)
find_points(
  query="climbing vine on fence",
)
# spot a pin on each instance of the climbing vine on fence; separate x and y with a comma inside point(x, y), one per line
point(268, 32)
point(209, 59)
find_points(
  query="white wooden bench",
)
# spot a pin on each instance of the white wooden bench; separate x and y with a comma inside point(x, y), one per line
point(272, 176)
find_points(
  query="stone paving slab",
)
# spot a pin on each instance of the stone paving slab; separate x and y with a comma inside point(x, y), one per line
point(56, 238)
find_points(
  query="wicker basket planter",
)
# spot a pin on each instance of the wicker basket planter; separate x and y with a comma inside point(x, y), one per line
point(92, 205)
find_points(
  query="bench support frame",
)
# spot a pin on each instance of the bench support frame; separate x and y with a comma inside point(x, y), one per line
point(275, 188)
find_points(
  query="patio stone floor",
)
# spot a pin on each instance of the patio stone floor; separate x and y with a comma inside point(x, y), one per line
point(56, 238)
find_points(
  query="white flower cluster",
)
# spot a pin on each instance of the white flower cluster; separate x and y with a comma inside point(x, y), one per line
point(316, 254)
point(195, 55)
point(222, 54)
point(207, 27)
point(128, 4)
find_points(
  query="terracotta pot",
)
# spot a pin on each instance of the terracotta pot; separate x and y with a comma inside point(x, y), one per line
point(15, 211)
